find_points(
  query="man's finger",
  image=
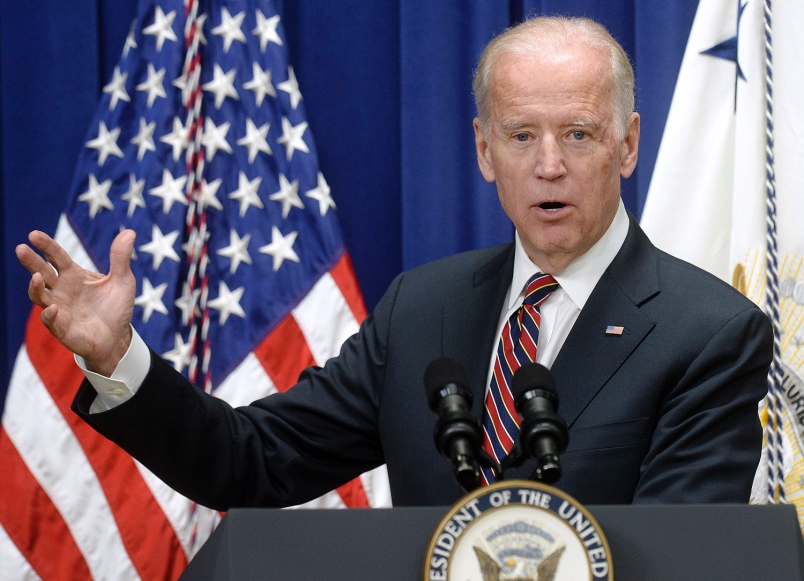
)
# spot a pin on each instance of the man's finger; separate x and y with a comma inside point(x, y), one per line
point(54, 253)
point(36, 264)
point(120, 254)
point(49, 319)
point(38, 293)
point(29, 259)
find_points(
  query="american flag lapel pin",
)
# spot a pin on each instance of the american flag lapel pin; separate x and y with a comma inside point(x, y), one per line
point(614, 330)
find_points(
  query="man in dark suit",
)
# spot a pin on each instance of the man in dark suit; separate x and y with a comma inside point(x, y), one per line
point(658, 365)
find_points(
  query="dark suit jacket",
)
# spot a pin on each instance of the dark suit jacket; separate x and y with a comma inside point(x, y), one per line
point(665, 412)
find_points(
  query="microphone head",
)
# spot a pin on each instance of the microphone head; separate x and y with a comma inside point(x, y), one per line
point(533, 376)
point(441, 373)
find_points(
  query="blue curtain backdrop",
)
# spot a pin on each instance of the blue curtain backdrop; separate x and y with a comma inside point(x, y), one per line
point(387, 89)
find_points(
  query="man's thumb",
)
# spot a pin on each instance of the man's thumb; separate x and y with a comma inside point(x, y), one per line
point(120, 253)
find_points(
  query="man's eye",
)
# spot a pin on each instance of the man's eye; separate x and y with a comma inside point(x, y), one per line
point(578, 135)
point(521, 137)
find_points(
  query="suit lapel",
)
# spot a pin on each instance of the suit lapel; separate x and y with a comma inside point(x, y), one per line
point(590, 356)
point(471, 318)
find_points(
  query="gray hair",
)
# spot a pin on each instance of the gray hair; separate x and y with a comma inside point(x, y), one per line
point(549, 35)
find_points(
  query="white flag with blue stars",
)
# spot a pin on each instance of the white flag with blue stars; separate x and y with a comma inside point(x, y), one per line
point(727, 194)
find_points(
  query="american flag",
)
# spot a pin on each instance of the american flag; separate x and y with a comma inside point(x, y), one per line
point(200, 144)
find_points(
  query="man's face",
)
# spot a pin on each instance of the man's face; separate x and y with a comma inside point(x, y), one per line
point(552, 148)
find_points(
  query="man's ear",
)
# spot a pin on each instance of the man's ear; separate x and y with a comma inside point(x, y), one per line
point(483, 152)
point(630, 151)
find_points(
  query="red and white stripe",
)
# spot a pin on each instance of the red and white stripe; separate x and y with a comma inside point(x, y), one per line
point(74, 506)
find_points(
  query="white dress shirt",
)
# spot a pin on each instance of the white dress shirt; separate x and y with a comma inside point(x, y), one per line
point(558, 313)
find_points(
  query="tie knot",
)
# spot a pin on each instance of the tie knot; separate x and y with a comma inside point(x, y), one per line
point(539, 288)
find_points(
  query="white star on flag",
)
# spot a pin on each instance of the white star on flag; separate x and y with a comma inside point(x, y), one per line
point(161, 246)
point(291, 87)
point(246, 193)
point(153, 85)
point(162, 28)
point(208, 197)
point(202, 19)
point(187, 303)
point(260, 83)
point(228, 302)
point(116, 89)
point(288, 195)
point(292, 137)
point(144, 140)
point(237, 251)
point(221, 85)
point(214, 138)
point(97, 196)
point(134, 194)
point(180, 83)
point(281, 247)
point(266, 30)
point(151, 299)
point(130, 40)
point(171, 190)
point(322, 194)
point(180, 355)
point(177, 138)
point(254, 140)
point(229, 29)
point(105, 143)
point(194, 243)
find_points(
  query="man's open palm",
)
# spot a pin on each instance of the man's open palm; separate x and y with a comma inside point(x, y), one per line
point(89, 313)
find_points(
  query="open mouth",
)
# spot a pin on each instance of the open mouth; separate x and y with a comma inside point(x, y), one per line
point(551, 205)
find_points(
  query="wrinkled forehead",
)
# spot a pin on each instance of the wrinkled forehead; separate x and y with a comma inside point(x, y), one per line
point(549, 58)
point(571, 71)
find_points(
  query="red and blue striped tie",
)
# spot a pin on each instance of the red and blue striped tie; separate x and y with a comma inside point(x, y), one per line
point(517, 346)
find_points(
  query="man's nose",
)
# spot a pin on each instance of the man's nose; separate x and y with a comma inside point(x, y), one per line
point(550, 160)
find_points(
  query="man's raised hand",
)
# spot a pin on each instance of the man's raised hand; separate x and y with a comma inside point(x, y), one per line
point(89, 313)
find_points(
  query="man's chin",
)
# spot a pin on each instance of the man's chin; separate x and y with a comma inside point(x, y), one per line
point(552, 255)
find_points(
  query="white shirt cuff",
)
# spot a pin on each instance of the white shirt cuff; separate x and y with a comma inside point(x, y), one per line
point(124, 381)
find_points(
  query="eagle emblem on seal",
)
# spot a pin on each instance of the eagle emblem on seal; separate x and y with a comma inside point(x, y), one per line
point(519, 554)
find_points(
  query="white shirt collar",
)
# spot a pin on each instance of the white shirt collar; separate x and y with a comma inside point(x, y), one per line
point(582, 275)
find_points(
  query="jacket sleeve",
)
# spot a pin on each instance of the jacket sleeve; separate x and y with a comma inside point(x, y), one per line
point(281, 450)
point(706, 444)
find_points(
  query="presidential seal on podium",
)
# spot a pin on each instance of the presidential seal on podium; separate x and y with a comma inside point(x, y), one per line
point(518, 530)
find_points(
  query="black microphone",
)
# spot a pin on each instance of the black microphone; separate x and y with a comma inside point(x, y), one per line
point(543, 433)
point(458, 436)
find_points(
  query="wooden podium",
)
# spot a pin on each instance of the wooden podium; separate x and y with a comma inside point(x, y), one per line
point(648, 543)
